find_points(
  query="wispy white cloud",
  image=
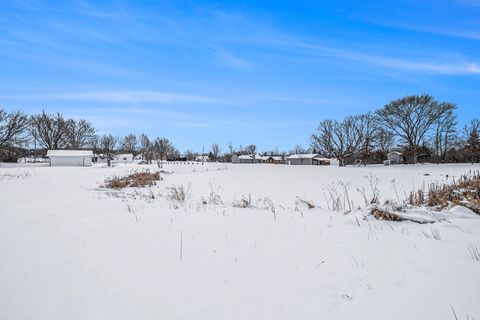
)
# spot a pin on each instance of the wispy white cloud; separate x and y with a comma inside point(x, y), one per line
point(453, 67)
point(119, 97)
point(230, 60)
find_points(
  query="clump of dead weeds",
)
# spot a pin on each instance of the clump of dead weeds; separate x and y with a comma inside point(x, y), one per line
point(380, 214)
point(136, 180)
point(463, 192)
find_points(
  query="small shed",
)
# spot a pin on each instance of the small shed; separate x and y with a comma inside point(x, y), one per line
point(312, 159)
point(394, 157)
point(202, 158)
point(74, 158)
point(249, 158)
point(123, 158)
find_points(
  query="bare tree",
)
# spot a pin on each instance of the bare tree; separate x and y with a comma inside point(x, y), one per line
point(385, 140)
point(412, 117)
point(298, 149)
point(323, 139)
point(146, 148)
point(445, 134)
point(79, 133)
point(94, 144)
point(366, 128)
point(162, 147)
point(189, 155)
point(330, 140)
point(129, 143)
point(108, 145)
point(12, 127)
point(215, 151)
point(251, 149)
point(51, 130)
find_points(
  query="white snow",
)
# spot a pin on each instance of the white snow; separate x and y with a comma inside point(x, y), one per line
point(72, 250)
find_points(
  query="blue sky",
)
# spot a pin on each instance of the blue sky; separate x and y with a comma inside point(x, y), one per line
point(257, 72)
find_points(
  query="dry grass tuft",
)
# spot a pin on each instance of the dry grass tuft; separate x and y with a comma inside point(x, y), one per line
point(384, 215)
point(303, 202)
point(136, 180)
point(244, 202)
point(464, 192)
point(179, 193)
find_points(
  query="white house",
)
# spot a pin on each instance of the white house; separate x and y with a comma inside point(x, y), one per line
point(307, 159)
point(123, 158)
point(394, 157)
point(82, 158)
point(272, 159)
point(202, 158)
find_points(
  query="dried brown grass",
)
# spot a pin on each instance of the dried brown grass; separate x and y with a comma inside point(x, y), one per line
point(384, 215)
point(135, 180)
point(463, 192)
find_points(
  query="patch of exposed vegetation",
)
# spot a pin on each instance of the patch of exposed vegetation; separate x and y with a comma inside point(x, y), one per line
point(463, 192)
point(381, 214)
point(244, 202)
point(179, 194)
point(135, 180)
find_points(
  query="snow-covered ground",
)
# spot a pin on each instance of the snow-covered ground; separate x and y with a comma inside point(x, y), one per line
point(72, 250)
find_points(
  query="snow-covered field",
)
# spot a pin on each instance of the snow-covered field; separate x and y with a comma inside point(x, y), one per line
point(72, 250)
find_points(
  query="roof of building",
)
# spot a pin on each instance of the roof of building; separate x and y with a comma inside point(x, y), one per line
point(248, 156)
point(69, 153)
point(395, 152)
point(307, 156)
point(275, 158)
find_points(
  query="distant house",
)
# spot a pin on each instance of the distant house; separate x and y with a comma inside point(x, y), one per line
point(394, 157)
point(247, 158)
point(123, 158)
point(272, 159)
point(312, 159)
point(201, 158)
point(82, 158)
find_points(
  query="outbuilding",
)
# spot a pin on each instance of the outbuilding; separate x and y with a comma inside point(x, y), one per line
point(312, 159)
point(249, 158)
point(74, 158)
point(394, 157)
point(203, 158)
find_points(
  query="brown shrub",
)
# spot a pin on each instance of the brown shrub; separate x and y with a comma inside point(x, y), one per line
point(136, 180)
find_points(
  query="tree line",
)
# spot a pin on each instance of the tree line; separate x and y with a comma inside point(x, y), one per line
point(45, 131)
point(419, 126)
